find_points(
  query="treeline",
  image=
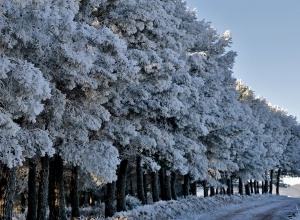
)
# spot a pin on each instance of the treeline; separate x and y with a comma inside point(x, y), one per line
point(128, 94)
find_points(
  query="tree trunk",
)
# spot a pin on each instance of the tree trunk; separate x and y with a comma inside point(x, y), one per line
point(266, 186)
point(228, 186)
point(23, 202)
point(7, 191)
point(145, 187)
point(162, 173)
point(262, 187)
point(84, 199)
point(194, 188)
point(109, 199)
point(2, 166)
point(121, 186)
point(32, 203)
point(154, 186)
point(205, 188)
point(223, 191)
point(74, 193)
point(271, 181)
point(139, 180)
point(173, 190)
point(277, 182)
point(217, 191)
point(255, 187)
point(131, 187)
point(247, 189)
point(167, 187)
point(251, 186)
point(241, 186)
point(212, 191)
point(43, 189)
point(56, 190)
point(231, 182)
point(186, 185)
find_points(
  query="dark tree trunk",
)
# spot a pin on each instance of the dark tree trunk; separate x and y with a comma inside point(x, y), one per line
point(228, 186)
point(212, 191)
point(32, 203)
point(154, 186)
point(145, 187)
point(278, 180)
point(255, 187)
point(173, 190)
point(121, 186)
point(186, 185)
point(23, 202)
point(266, 186)
point(7, 192)
point(217, 191)
point(241, 186)
point(223, 191)
point(74, 193)
point(43, 189)
point(167, 187)
point(271, 181)
point(231, 182)
point(109, 199)
point(262, 187)
point(194, 188)
point(251, 186)
point(205, 188)
point(130, 186)
point(56, 190)
point(2, 166)
point(84, 198)
point(139, 181)
point(162, 173)
point(247, 189)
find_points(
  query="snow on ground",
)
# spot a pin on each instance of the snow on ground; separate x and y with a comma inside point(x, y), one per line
point(254, 207)
point(236, 207)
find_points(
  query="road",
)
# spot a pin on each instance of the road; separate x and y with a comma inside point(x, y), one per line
point(277, 208)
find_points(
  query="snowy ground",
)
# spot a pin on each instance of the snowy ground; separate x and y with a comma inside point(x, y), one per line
point(264, 207)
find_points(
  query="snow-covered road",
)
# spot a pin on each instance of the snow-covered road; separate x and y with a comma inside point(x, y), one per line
point(254, 207)
point(277, 208)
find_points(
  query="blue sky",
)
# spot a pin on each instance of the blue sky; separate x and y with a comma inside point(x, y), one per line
point(266, 36)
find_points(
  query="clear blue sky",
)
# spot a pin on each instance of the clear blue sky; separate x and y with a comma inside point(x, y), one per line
point(266, 36)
